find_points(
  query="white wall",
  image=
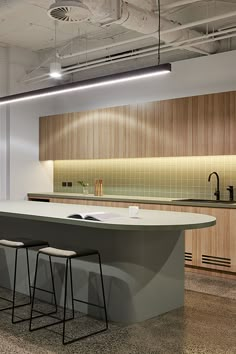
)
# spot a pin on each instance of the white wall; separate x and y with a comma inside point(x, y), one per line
point(21, 170)
point(4, 127)
point(27, 173)
point(203, 75)
point(198, 76)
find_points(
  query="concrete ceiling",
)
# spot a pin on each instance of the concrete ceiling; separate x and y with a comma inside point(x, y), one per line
point(26, 24)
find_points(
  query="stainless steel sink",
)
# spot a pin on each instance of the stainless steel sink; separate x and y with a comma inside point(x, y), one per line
point(205, 201)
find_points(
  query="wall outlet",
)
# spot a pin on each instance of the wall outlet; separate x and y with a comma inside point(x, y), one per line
point(64, 184)
point(69, 184)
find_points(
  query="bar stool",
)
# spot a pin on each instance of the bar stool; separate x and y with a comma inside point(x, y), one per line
point(68, 255)
point(20, 244)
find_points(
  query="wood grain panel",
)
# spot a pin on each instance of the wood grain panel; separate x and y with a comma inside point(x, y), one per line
point(232, 123)
point(198, 126)
point(232, 242)
point(43, 139)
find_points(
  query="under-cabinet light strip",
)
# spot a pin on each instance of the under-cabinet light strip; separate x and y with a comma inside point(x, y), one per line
point(91, 83)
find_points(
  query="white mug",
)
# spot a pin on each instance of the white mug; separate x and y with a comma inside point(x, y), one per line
point(133, 211)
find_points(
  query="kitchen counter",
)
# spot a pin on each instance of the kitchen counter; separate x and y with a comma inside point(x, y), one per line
point(143, 257)
point(147, 220)
point(134, 199)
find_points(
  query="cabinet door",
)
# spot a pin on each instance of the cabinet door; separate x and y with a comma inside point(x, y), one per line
point(232, 245)
point(214, 124)
point(213, 247)
point(191, 126)
point(213, 243)
point(66, 137)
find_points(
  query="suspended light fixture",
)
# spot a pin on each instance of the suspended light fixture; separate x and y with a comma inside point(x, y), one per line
point(88, 84)
point(55, 69)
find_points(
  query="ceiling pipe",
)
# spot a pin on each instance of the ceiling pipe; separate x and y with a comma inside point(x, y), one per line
point(151, 51)
point(179, 3)
point(122, 59)
point(204, 21)
point(139, 54)
point(85, 67)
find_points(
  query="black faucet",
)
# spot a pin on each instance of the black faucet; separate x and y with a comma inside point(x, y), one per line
point(231, 192)
point(217, 191)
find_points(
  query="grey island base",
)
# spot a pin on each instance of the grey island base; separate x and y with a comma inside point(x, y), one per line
point(143, 257)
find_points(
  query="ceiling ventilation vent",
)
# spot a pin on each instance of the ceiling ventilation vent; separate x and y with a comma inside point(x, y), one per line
point(68, 11)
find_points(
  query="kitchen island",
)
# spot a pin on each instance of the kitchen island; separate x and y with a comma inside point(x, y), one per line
point(143, 257)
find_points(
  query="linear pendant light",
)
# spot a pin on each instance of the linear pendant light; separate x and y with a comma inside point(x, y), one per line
point(87, 84)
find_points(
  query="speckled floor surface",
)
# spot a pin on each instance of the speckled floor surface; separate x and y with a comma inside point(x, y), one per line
point(210, 285)
point(206, 325)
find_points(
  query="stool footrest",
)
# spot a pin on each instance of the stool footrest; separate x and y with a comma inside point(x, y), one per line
point(3, 298)
point(50, 324)
point(46, 291)
point(42, 314)
point(85, 336)
point(88, 303)
point(16, 306)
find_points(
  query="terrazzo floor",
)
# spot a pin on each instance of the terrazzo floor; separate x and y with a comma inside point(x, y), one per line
point(206, 325)
point(210, 285)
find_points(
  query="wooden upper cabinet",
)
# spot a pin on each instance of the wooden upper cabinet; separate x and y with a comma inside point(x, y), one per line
point(191, 126)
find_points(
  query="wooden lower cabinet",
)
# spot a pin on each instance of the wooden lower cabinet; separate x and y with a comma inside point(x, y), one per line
point(232, 244)
point(212, 248)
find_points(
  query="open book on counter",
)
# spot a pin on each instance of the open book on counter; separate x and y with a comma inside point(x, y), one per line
point(95, 216)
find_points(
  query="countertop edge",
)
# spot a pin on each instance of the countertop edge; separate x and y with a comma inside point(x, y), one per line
point(131, 200)
point(108, 226)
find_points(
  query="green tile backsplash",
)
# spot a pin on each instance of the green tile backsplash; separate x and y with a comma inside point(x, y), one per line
point(171, 177)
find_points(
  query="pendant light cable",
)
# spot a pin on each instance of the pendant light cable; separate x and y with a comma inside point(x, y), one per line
point(159, 32)
point(55, 39)
point(55, 67)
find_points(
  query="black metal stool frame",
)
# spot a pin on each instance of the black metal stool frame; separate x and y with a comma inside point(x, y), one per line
point(14, 306)
point(64, 320)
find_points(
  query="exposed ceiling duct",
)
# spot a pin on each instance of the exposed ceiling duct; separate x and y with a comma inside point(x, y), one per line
point(172, 5)
point(119, 12)
point(123, 45)
point(146, 22)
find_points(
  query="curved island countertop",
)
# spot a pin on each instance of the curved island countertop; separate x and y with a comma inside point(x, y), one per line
point(143, 258)
point(147, 220)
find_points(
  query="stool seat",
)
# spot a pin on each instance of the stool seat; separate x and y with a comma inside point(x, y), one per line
point(24, 243)
point(20, 245)
point(57, 252)
point(9, 243)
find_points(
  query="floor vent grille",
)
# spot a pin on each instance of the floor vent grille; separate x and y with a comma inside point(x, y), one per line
point(218, 261)
point(188, 256)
